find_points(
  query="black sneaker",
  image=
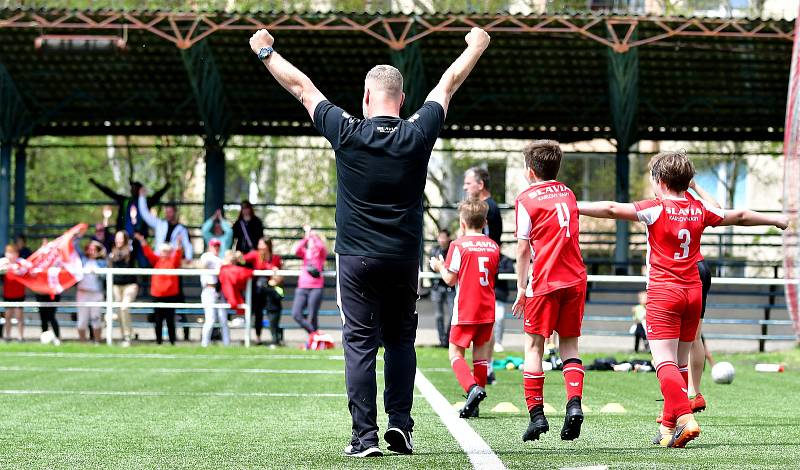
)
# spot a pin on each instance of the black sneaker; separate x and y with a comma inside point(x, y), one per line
point(491, 379)
point(476, 413)
point(573, 420)
point(474, 398)
point(399, 441)
point(537, 426)
point(358, 451)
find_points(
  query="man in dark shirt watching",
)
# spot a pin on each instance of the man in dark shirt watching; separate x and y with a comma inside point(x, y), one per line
point(381, 167)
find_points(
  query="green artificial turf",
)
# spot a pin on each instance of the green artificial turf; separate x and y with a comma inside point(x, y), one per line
point(186, 407)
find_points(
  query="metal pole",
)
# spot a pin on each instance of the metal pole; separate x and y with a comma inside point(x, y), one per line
point(248, 300)
point(20, 159)
point(5, 192)
point(109, 307)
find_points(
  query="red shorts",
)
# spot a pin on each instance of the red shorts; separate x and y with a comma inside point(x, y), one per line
point(560, 310)
point(673, 312)
point(467, 335)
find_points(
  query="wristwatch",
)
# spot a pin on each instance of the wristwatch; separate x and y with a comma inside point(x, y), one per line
point(265, 52)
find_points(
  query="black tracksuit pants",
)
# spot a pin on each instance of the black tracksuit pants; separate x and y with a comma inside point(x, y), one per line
point(377, 299)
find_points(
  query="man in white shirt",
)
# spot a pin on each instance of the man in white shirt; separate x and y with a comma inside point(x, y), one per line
point(168, 229)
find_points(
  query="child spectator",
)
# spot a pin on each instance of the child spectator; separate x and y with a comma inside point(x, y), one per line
point(90, 289)
point(639, 322)
point(13, 291)
point(267, 291)
point(164, 288)
point(210, 294)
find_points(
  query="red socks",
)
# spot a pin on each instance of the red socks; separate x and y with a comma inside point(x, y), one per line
point(480, 370)
point(463, 374)
point(684, 370)
point(573, 378)
point(533, 382)
point(673, 388)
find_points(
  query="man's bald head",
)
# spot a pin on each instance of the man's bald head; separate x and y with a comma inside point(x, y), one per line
point(385, 79)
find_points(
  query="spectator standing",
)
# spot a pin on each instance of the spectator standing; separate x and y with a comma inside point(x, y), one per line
point(128, 213)
point(48, 316)
point(171, 232)
point(90, 289)
point(442, 295)
point(476, 185)
point(164, 288)
point(247, 229)
point(267, 290)
point(310, 285)
point(167, 230)
point(21, 242)
point(13, 291)
point(104, 236)
point(210, 294)
point(216, 227)
point(639, 322)
point(125, 287)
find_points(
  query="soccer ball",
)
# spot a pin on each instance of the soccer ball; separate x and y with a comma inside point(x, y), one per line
point(47, 337)
point(723, 373)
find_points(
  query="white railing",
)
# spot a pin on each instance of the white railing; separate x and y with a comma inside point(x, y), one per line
point(109, 304)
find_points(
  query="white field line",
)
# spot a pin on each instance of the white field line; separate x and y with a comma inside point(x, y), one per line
point(478, 451)
point(170, 370)
point(169, 394)
point(188, 370)
point(135, 393)
point(267, 357)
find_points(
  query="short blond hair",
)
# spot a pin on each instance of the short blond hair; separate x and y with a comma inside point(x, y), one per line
point(387, 79)
point(473, 212)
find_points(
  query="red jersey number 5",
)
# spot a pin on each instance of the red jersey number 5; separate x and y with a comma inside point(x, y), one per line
point(482, 260)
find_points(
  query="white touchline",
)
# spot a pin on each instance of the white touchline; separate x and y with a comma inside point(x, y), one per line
point(143, 393)
point(170, 370)
point(172, 356)
point(167, 394)
point(480, 454)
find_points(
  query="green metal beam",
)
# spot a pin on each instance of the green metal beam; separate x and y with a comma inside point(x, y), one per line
point(20, 197)
point(623, 82)
point(215, 111)
point(409, 62)
point(5, 191)
point(15, 119)
point(16, 124)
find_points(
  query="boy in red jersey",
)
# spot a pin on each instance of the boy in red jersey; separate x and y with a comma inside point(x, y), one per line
point(553, 297)
point(471, 266)
point(675, 221)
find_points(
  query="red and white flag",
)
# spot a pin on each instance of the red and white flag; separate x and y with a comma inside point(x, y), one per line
point(55, 267)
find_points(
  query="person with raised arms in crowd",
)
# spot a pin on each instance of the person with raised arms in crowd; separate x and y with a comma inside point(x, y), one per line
point(128, 213)
point(216, 227)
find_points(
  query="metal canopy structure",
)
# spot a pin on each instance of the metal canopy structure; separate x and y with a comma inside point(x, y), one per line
point(570, 78)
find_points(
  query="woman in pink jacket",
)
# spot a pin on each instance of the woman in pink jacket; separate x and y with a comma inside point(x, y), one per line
point(310, 285)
